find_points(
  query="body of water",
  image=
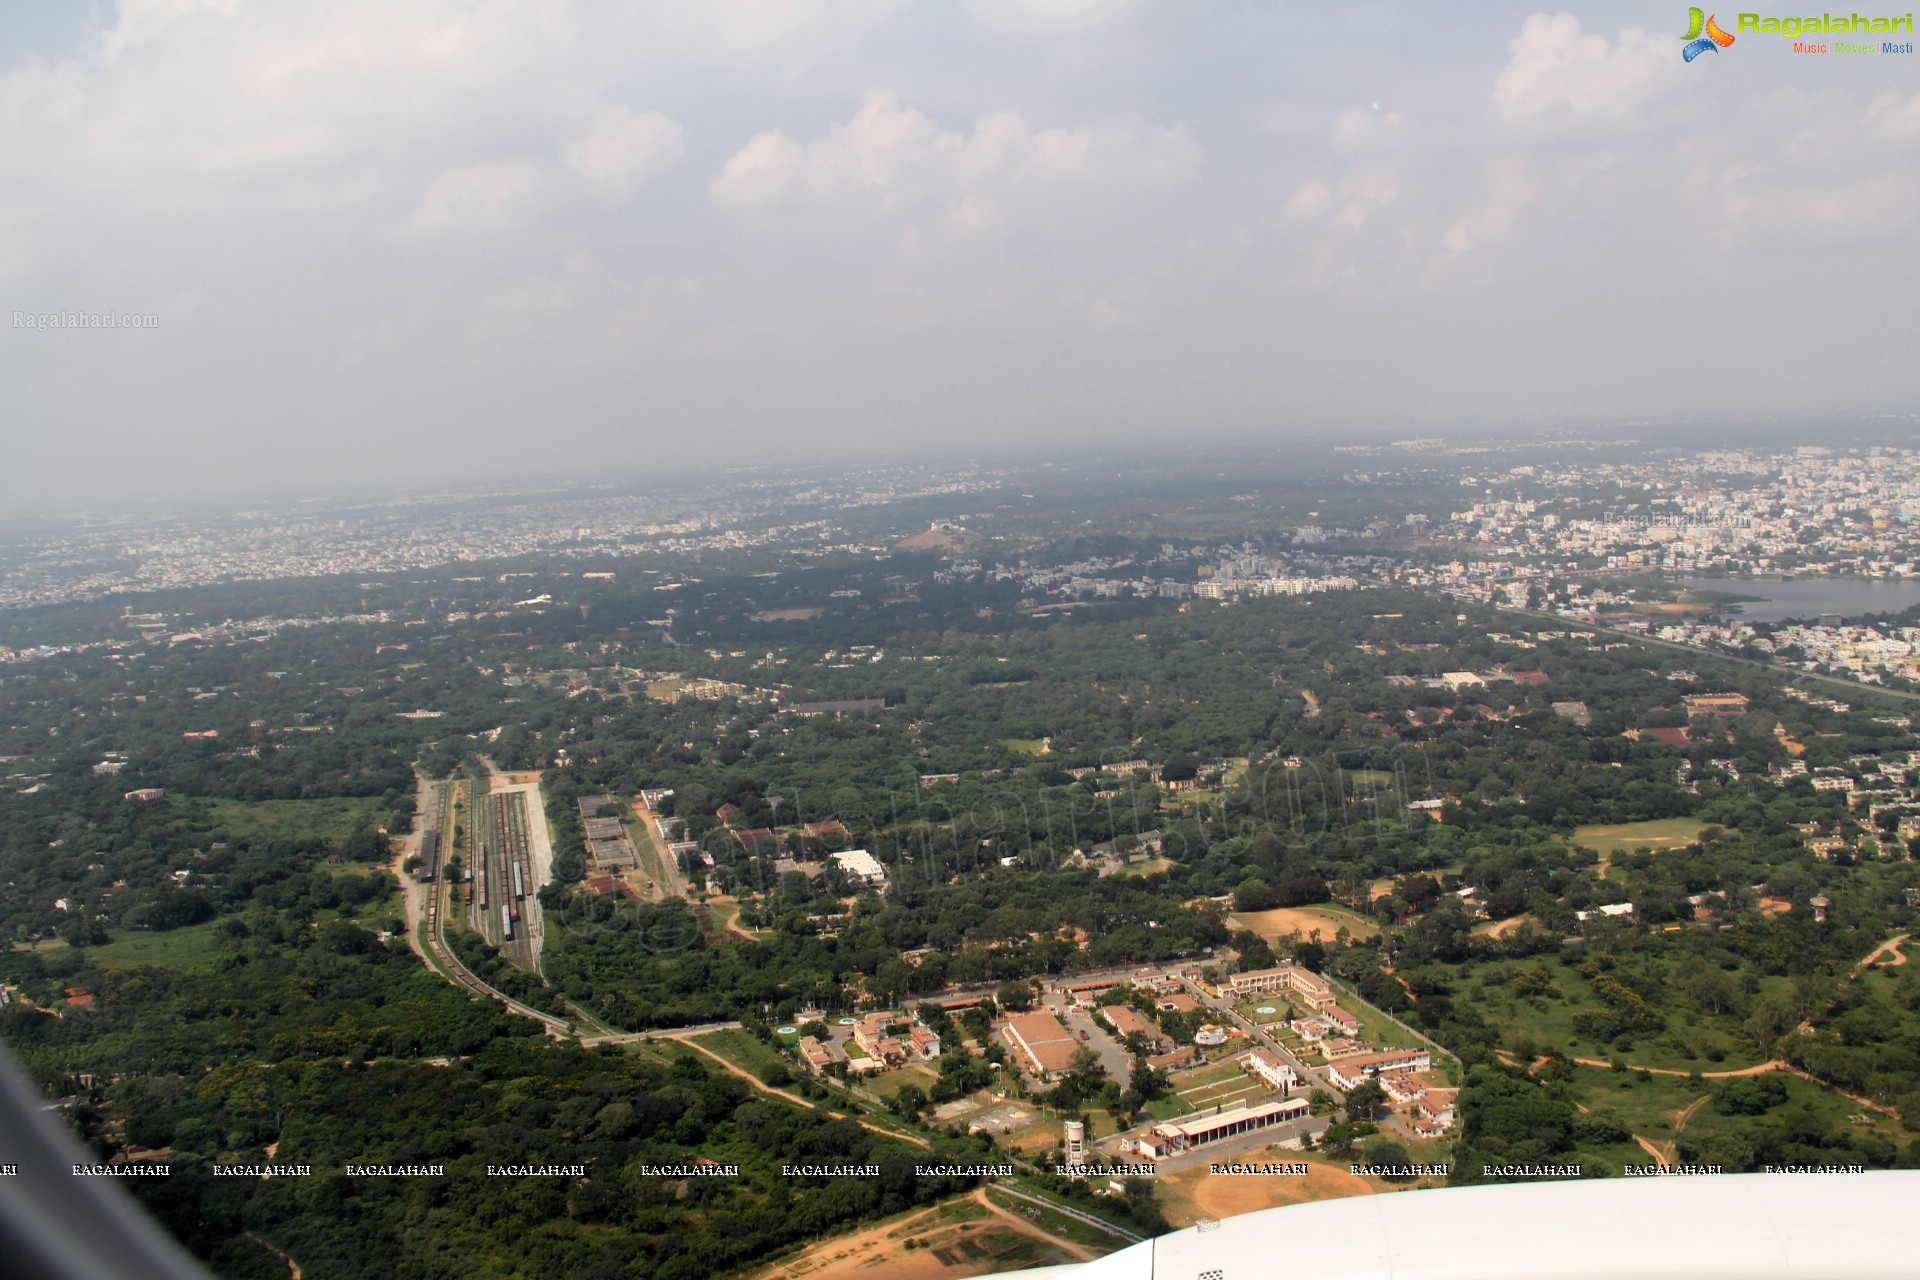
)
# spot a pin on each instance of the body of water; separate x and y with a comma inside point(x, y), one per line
point(1807, 598)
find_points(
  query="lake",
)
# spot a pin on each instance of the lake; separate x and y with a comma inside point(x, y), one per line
point(1808, 597)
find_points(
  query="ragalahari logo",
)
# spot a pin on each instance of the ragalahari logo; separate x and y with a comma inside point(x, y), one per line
point(1703, 35)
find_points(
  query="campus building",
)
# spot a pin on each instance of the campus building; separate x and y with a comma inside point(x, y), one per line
point(1043, 1046)
point(1271, 1068)
point(1126, 1022)
point(1349, 1073)
point(1287, 979)
point(1174, 1136)
point(862, 866)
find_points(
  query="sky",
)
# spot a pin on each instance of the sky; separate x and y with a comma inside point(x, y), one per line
point(407, 243)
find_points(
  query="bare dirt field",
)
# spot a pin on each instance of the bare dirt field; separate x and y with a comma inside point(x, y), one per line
point(1193, 1194)
point(1281, 921)
point(952, 1241)
point(936, 540)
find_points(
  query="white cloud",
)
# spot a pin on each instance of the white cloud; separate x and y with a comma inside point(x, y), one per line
point(1043, 18)
point(1362, 129)
point(1511, 188)
point(762, 171)
point(1894, 118)
point(150, 105)
point(1559, 71)
point(621, 148)
point(1750, 203)
point(894, 152)
point(483, 197)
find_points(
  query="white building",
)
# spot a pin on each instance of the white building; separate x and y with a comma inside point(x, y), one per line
point(862, 866)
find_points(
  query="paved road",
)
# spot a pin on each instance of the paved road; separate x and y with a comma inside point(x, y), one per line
point(659, 1033)
point(1310, 1077)
point(1116, 1060)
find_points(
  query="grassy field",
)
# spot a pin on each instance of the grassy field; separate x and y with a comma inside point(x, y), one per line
point(1650, 1107)
point(888, 1083)
point(1205, 1077)
point(268, 820)
point(741, 1049)
point(1376, 1026)
point(1661, 1108)
point(1251, 1010)
point(1042, 1134)
point(1058, 1225)
point(1622, 837)
point(726, 919)
point(1148, 867)
point(1170, 1107)
point(1328, 920)
point(193, 947)
point(1689, 1044)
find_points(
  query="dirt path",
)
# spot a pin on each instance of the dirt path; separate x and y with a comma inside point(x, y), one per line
point(1891, 947)
point(730, 918)
point(796, 1099)
point(670, 880)
point(293, 1268)
point(413, 893)
point(1026, 1228)
point(846, 1249)
point(1758, 1069)
point(1659, 1156)
point(1313, 703)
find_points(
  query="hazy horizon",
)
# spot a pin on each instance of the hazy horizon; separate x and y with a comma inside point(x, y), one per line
point(463, 243)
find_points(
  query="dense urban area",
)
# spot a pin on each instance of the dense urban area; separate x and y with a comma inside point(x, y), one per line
point(969, 868)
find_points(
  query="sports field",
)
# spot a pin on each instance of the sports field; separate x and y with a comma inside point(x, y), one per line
point(1282, 922)
point(1621, 837)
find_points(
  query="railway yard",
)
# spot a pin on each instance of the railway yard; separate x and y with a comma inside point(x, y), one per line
point(501, 842)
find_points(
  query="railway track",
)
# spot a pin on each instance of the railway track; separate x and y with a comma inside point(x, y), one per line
point(486, 874)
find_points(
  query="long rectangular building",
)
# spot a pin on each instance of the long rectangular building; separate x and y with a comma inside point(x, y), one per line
point(1284, 979)
point(1175, 1136)
point(1348, 1073)
point(1043, 1046)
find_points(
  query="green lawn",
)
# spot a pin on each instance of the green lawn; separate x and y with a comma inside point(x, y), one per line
point(1188, 1081)
point(741, 1049)
point(1623, 837)
point(1171, 1107)
point(1251, 1010)
point(888, 1083)
point(329, 820)
point(1226, 1094)
point(192, 947)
